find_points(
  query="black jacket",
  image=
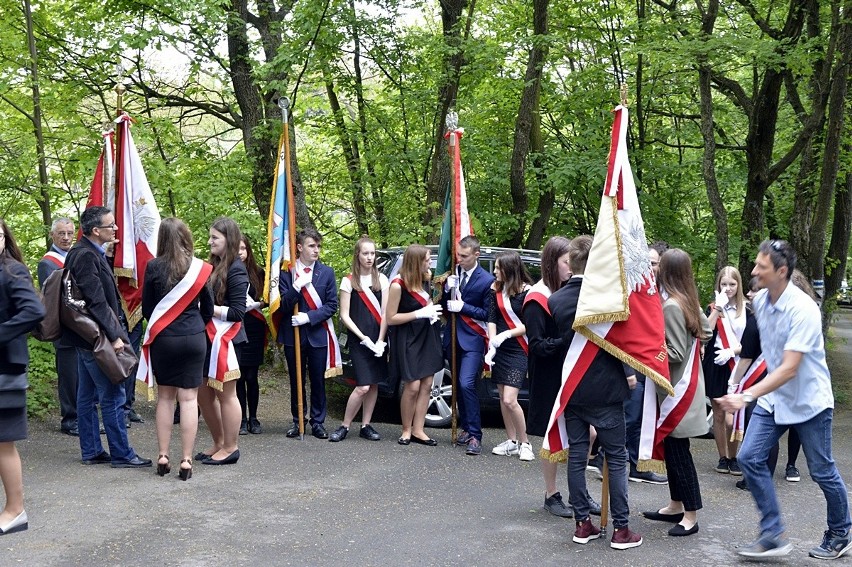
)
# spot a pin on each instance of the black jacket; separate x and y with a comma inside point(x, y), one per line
point(20, 312)
point(605, 381)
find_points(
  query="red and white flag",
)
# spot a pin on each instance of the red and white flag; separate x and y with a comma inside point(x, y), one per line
point(102, 190)
point(619, 309)
point(138, 222)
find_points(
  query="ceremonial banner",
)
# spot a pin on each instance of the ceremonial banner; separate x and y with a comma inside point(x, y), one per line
point(138, 222)
point(280, 236)
point(102, 190)
point(456, 223)
point(619, 309)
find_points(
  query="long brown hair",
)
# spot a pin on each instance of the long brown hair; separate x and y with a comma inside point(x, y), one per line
point(554, 248)
point(174, 247)
point(734, 274)
point(677, 279)
point(219, 278)
point(11, 249)
point(255, 274)
point(513, 273)
point(411, 270)
point(375, 285)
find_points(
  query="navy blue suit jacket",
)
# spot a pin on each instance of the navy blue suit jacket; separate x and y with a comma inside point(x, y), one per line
point(475, 296)
point(20, 312)
point(325, 282)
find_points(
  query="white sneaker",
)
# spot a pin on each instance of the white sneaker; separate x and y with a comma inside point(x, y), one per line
point(526, 452)
point(507, 448)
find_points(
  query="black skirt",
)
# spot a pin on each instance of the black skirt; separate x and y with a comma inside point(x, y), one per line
point(178, 361)
point(13, 424)
point(369, 368)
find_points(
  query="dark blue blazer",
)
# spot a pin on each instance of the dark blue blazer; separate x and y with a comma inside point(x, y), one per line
point(20, 312)
point(475, 296)
point(325, 282)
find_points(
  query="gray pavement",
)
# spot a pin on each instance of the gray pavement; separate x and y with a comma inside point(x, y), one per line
point(311, 502)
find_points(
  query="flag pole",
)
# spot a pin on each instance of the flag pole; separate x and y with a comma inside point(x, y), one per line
point(284, 104)
point(452, 122)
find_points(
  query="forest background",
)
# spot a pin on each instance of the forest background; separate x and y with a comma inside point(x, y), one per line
point(738, 116)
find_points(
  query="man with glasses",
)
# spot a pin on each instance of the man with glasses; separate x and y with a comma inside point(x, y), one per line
point(62, 234)
point(796, 393)
point(93, 275)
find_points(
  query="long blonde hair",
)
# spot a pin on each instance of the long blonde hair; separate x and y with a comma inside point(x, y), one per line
point(734, 274)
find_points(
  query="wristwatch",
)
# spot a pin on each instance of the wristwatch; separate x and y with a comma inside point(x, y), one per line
point(747, 397)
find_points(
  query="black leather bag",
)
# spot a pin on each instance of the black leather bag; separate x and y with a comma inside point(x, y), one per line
point(117, 365)
point(13, 391)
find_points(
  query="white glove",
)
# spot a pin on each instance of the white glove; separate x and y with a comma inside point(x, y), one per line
point(253, 305)
point(455, 305)
point(368, 342)
point(723, 355)
point(220, 312)
point(379, 348)
point(301, 281)
point(452, 282)
point(721, 300)
point(299, 319)
point(500, 338)
point(489, 356)
point(431, 312)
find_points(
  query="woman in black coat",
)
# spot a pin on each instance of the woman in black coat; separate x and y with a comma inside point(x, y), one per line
point(20, 312)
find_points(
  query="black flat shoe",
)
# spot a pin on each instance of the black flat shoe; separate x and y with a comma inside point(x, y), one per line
point(427, 442)
point(679, 530)
point(229, 460)
point(660, 517)
point(201, 455)
point(404, 440)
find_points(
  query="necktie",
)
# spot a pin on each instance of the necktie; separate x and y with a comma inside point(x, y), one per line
point(463, 281)
point(307, 270)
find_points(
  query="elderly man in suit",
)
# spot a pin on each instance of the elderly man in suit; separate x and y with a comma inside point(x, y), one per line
point(474, 285)
point(94, 277)
point(314, 290)
point(62, 234)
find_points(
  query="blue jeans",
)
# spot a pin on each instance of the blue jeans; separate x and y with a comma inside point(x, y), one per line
point(469, 371)
point(94, 387)
point(761, 436)
point(609, 423)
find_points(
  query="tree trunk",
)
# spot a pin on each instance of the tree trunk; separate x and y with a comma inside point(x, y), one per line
point(547, 193)
point(524, 123)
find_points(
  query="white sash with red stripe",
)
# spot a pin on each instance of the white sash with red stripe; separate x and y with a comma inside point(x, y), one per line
point(371, 301)
point(726, 338)
point(757, 368)
point(504, 305)
point(167, 310)
point(55, 257)
point(333, 362)
point(658, 423)
point(223, 356)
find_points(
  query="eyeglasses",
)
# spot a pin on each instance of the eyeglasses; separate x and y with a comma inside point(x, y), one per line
point(778, 245)
point(112, 226)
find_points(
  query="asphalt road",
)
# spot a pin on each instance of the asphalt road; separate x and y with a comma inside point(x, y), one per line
point(311, 502)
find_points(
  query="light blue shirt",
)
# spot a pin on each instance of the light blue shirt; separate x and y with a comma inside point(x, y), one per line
point(794, 323)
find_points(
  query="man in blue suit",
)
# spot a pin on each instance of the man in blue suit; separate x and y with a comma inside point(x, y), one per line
point(474, 283)
point(315, 284)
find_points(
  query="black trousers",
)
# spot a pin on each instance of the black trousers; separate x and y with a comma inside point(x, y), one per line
point(313, 360)
point(683, 479)
point(66, 385)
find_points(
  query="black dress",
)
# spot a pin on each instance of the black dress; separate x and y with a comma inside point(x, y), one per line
point(716, 376)
point(178, 352)
point(510, 361)
point(547, 354)
point(369, 368)
point(253, 351)
point(415, 347)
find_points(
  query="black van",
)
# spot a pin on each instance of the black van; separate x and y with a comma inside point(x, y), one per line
point(388, 262)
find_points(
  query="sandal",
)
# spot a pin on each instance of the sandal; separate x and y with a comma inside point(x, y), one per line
point(163, 468)
point(185, 473)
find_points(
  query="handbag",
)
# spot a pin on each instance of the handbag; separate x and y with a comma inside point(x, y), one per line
point(73, 313)
point(13, 390)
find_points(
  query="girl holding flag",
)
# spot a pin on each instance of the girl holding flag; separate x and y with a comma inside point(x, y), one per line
point(682, 415)
point(177, 304)
point(508, 349)
point(415, 341)
point(252, 351)
point(363, 300)
point(218, 400)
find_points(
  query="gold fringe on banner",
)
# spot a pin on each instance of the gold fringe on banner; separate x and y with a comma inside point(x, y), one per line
point(332, 372)
point(651, 465)
point(557, 457)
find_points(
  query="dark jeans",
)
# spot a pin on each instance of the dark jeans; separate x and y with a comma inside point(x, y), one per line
point(94, 387)
point(633, 421)
point(66, 385)
point(130, 383)
point(608, 421)
point(467, 374)
point(314, 361)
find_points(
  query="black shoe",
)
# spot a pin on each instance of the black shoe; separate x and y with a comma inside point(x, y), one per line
point(741, 484)
point(660, 517)
point(201, 455)
point(229, 460)
point(338, 434)
point(72, 431)
point(367, 432)
point(293, 431)
point(243, 427)
point(428, 442)
point(101, 459)
point(254, 426)
point(318, 431)
point(134, 417)
point(679, 530)
point(136, 462)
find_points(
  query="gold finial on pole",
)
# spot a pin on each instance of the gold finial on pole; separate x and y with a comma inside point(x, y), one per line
point(624, 94)
point(119, 88)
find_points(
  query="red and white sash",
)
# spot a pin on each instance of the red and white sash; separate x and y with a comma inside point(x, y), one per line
point(751, 377)
point(504, 305)
point(223, 356)
point(167, 310)
point(55, 257)
point(333, 361)
point(258, 314)
point(422, 297)
point(726, 338)
point(539, 293)
point(371, 301)
point(659, 422)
